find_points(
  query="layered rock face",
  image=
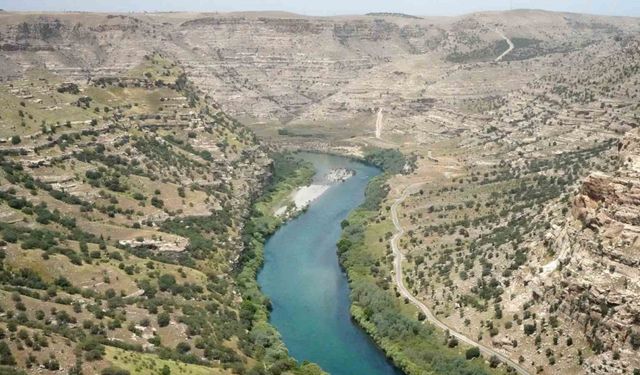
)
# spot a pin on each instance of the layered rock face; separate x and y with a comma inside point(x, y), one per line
point(600, 278)
point(285, 67)
point(526, 125)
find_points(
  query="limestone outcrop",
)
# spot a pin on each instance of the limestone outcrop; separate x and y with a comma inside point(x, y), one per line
point(600, 281)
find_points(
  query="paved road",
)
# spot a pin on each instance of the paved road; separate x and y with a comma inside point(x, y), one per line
point(397, 267)
point(508, 49)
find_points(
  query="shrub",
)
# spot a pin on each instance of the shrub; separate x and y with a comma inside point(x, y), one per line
point(10, 235)
point(6, 357)
point(163, 319)
point(93, 175)
point(93, 349)
point(472, 353)
point(157, 202)
point(52, 364)
point(183, 347)
point(634, 339)
point(5, 370)
point(166, 282)
point(453, 342)
point(529, 329)
point(494, 361)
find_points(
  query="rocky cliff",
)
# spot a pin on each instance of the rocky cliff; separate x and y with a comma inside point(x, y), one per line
point(599, 283)
point(274, 66)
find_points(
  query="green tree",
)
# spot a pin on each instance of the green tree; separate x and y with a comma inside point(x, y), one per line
point(166, 282)
point(183, 347)
point(529, 329)
point(494, 361)
point(6, 357)
point(10, 235)
point(472, 353)
point(93, 349)
point(164, 319)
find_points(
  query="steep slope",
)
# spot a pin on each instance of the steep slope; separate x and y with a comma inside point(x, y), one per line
point(599, 274)
point(121, 208)
point(500, 145)
point(486, 233)
point(275, 66)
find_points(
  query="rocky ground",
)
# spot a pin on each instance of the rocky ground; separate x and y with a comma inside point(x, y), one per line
point(506, 114)
point(120, 219)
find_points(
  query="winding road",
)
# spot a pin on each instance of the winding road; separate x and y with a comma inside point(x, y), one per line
point(508, 49)
point(397, 267)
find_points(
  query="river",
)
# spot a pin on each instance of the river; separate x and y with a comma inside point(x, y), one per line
point(308, 290)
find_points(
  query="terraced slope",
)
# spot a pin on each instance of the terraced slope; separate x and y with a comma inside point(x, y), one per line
point(109, 132)
point(122, 206)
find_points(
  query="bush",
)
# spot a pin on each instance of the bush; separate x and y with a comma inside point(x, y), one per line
point(453, 342)
point(5, 370)
point(10, 235)
point(634, 339)
point(494, 361)
point(166, 282)
point(93, 175)
point(157, 202)
point(163, 319)
point(15, 140)
point(472, 353)
point(183, 347)
point(6, 357)
point(529, 329)
point(52, 364)
point(93, 349)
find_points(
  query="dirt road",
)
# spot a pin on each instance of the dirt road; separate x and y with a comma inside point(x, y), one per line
point(508, 49)
point(398, 278)
point(379, 124)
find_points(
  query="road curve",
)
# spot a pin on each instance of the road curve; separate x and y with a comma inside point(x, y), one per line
point(397, 267)
point(508, 49)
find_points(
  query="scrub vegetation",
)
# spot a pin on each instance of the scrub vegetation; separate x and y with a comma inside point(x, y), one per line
point(288, 173)
point(121, 215)
point(414, 346)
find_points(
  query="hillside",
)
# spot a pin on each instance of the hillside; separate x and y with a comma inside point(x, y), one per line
point(134, 145)
point(327, 69)
point(121, 208)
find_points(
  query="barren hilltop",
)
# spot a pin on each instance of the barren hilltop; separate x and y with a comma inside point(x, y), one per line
point(137, 151)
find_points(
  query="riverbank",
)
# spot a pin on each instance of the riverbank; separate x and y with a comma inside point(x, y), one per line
point(288, 174)
point(303, 278)
point(289, 177)
point(303, 196)
point(394, 325)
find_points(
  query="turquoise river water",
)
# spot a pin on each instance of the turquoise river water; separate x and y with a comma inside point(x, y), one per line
point(308, 289)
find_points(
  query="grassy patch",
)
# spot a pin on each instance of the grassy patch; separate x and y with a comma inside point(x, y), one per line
point(150, 364)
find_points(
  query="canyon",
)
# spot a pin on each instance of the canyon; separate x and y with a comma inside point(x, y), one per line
point(516, 192)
